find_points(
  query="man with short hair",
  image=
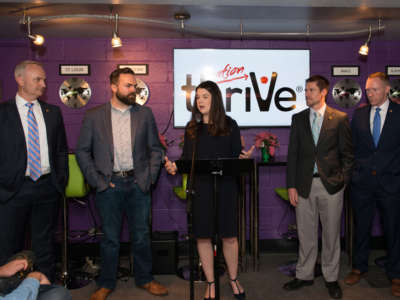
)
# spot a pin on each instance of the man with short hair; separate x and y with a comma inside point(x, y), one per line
point(120, 154)
point(376, 178)
point(320, 159)
point(33, 168)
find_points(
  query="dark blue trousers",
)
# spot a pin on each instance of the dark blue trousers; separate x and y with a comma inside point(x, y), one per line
point(365, 201)
point(125, 198)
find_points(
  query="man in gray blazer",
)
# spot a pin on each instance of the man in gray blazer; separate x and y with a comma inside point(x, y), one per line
point(320, 159)
point(120, 155)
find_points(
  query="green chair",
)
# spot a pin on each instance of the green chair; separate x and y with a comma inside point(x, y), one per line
point(76, 188)
point(282, 193)
point(180, 191)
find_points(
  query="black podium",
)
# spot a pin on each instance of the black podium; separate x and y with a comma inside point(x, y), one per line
point(215, 168)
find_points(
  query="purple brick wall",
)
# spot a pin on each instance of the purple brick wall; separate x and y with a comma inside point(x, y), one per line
point(168, 210)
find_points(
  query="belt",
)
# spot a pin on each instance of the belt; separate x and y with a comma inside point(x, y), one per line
point(129, 173)
point(41, 177)
point(316, 175)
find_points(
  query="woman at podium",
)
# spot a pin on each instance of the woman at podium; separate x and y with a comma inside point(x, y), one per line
point(217, 136)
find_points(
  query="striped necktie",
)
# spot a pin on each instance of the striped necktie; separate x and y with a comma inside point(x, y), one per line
point(35, 169)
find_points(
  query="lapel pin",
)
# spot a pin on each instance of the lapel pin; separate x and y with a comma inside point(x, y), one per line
point(47, 110)
point(330, 118)
point(390, 110)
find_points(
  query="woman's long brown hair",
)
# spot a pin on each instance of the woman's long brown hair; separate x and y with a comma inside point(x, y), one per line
point(217, 121)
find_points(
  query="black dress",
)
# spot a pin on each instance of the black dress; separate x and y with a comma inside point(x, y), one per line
point(212, 147)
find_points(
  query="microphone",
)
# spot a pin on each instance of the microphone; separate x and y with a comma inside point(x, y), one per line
point(198, 117)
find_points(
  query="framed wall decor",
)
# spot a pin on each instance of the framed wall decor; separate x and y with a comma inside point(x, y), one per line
point(74, 69)
point(345, 71)
point(393, 70)
point(139, 69)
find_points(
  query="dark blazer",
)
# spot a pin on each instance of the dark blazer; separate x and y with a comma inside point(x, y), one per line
point(13, 153)
point(333, 152)
point(95, 148)
point(381, 162)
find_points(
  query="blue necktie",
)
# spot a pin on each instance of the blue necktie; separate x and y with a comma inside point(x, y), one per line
point(315, 133)
point(34, 165)
point(376, 128)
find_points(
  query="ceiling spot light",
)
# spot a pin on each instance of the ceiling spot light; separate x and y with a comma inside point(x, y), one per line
point(182, 16)
point(364, 49)
point(116, 40)
point(37, 39)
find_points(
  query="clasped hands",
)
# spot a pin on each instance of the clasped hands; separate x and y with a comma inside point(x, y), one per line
point(14, 266)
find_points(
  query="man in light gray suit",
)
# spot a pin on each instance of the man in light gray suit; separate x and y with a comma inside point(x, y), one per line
point(120, 155)
point(320, 158)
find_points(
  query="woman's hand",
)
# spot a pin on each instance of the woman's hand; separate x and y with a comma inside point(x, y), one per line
point(248, 153)
point(170, 166)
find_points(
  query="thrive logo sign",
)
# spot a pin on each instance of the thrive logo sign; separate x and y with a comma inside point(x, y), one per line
point(259, 87)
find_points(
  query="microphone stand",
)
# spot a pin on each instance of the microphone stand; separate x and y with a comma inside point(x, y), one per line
point(190, 193)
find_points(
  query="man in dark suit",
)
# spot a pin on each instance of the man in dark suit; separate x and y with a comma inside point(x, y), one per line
point(33, 168)
point(376, 178)
point(120, 155)
point(320, 159)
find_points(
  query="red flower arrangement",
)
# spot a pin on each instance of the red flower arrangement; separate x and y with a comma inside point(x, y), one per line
point(267, 140)
point(163, 141)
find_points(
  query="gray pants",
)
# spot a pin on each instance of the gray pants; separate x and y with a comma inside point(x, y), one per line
point(319, 206)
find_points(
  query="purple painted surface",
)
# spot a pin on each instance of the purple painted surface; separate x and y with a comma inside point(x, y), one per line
point(168, 211)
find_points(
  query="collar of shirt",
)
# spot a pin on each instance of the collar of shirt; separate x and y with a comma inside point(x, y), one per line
point(21, 102)
point(320, 111)
point(121, 110)
point(384, 107)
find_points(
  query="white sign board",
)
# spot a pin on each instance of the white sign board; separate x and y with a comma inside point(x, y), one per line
point(259, 87)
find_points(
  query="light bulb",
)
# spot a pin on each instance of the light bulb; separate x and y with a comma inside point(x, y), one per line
point(364, 49)
point(116, 41)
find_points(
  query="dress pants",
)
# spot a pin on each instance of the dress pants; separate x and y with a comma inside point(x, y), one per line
point(34, 206)
point(365, 201)
point(319, 206)
point(125, 198)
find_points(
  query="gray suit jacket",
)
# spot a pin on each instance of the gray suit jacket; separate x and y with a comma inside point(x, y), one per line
point(333, 152)
point(95, 149)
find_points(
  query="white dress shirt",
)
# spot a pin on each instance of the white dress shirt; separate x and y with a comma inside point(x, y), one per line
point(44, 148)
point(384, 108)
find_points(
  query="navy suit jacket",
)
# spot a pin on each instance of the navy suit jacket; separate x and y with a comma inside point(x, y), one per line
point(13, 153)
point(381, 162)
point(95, 148)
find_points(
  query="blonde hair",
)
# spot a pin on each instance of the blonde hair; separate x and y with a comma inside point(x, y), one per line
point(382, 76)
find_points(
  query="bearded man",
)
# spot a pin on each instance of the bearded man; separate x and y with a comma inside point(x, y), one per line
point(120, 155)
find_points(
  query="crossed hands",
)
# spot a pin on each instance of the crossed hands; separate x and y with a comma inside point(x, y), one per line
point(170, 166)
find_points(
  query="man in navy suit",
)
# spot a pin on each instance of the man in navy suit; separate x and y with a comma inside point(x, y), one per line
point(30, 192)
point(376, 178)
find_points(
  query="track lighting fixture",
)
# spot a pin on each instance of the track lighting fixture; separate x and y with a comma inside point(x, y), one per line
point(182, 16)
point(364, 49)
point(116, 40)
point(37, 39)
